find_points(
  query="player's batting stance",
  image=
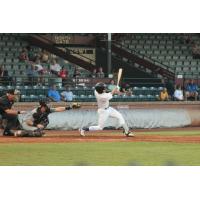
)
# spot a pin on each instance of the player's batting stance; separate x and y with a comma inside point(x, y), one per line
point(105, 111)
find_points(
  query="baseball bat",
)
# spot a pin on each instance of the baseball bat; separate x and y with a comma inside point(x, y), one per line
point(119, 76)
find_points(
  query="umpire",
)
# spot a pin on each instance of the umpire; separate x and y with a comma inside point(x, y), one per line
point(8, 114)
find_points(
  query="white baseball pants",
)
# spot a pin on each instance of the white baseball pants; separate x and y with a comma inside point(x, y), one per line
point(104, 114)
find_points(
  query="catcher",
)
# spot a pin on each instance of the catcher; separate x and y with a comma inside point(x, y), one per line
point(39, 119)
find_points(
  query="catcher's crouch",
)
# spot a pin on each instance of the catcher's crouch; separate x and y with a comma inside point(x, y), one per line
point(39, 120)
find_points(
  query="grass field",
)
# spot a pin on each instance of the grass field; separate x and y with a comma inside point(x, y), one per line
point(103, 153)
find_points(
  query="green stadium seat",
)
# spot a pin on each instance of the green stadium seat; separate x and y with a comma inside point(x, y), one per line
point(34, 98)
point(184, 47)
point(149, 52)
point(139, 47)
point(163, 52)
point(161, 47)
point(24, 98)
point(175, 57)
point(9, 44)
point(2, 43)
point(42, 97)
point(91, 98)
point(152, 90)
point(15, 60)
point(1, 60)
point(150, 97)
point(147, 47)
point(163, 42)
point(5, 49)
point(161, 57)
point(142, 97)
point(186, 63)
point(156, 52)
point(179, 63)
point(154, 47)
point(193, 63)
point(14, 49)
point(144, 90)
point(83, 98)
point(156, 42)
point(149, 42)
point(136, 90)
point(17, 44)
point(168, 57)
point(9, 87)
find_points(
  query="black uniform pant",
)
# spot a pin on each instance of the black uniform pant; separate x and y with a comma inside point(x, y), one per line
point(11, 121)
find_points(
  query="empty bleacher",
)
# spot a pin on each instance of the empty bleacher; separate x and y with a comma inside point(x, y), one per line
point(169, 49)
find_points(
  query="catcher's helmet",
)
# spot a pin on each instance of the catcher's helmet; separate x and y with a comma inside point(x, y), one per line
point(42, 102)
point(100, 87)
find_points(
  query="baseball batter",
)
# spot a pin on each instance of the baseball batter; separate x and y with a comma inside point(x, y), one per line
point(105, 111)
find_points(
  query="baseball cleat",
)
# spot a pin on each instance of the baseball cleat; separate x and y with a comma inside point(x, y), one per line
point(129, 134)
point(82, 132)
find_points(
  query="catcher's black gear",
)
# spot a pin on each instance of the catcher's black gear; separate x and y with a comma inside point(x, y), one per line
point(100, 87)
point(41, 117)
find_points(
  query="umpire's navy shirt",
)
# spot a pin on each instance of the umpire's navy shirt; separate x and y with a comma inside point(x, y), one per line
point(5, 104)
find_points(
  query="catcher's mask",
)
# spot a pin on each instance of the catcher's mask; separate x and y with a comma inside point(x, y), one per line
point(100, 87)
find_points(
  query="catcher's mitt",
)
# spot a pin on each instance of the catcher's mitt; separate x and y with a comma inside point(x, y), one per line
point(76, 105)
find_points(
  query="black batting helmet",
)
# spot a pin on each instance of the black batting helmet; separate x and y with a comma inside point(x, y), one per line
point(100, 87)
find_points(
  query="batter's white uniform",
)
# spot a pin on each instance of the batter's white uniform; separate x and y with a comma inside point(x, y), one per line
point(105, 111)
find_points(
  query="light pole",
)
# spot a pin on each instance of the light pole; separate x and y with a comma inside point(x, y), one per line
point(109, 54)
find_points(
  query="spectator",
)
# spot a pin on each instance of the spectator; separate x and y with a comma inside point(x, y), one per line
point(32, 75)
point(94, 73)
point(40, 71)
point(53, 94)
point(44, 56)
point(77, 73)
point(195, 51)
point(55, 67)
point(169, 85)
point(112, 85)
point(17, 95)
point(39, 67)
point(24, 55)
point(178, 94)
point(67, 95)
point(126, 90)
point(63, 74)
point(164, 95)
point(191, 90)
point(100, 73)
point(31, 54)
point(6, 79)
point(1, 69)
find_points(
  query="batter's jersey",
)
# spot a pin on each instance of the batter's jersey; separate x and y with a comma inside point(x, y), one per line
point(103, 99)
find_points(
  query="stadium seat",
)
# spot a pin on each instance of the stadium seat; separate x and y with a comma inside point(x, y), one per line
point(24, 98)
point(91, 98)
point(33, 98)
point(83, 98)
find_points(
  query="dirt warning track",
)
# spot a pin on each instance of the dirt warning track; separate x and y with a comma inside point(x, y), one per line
point(104, 136)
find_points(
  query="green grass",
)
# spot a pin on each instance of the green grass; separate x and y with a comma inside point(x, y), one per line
point(170, 133)
point(106, 154)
